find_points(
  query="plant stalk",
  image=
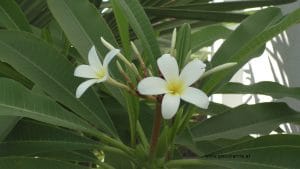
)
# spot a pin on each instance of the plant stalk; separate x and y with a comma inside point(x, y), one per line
point(156, 127)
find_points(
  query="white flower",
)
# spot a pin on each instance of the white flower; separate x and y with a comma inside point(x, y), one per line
point(175, 86)
point(95, 71)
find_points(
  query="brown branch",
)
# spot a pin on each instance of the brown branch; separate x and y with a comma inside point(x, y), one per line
point(156, 127)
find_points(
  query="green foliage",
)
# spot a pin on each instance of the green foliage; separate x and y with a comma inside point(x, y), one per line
point(43, 125)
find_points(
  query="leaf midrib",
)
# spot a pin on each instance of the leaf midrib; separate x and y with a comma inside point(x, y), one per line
point(45, 115)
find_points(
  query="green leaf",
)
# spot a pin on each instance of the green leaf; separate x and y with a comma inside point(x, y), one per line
point(207, 35)
point(268, 152)
point(16, 100)
point(7, 71)
point(82, 24)
point(12, 17)
point(6, 125)
point(195, 14)
point(53, 73)
point(267, 88)
point(72, 16)
point(244, 120)
point(29, 137)
point(142, 27)
point(32, 163)
point(78, 156)
point(183, 44)
point(123, 29)
point(232, 6)
point(248, 29)
point(206, 146)
point(215, 108)
point(267, 25)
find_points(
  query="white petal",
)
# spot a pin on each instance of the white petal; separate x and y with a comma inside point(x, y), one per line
point(94, 59)
point(168, 66)
point(84, 86)
point(170, 105)
point(85, 71)
point(109, 56)
point(196, 97)
point(152, 86)
point(192, 71)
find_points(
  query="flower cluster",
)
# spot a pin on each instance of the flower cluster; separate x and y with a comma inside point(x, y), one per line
point(173, 85)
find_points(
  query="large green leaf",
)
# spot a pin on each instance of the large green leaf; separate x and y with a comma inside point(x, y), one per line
point(195, 14)
point(16, 100)
point(6, 125)
point(267, 88)
point(12, 17)
point(239, 38)
point(36, 163)
point(7, 71)
point(183, 44)
point(244, 120)
point(207, 35)
point(78, 156)
point(141, 25)
point(264, 25)
point(29, 137)
point(82, 24)
point(53, 73)
point(234, 5)
point(269, 152)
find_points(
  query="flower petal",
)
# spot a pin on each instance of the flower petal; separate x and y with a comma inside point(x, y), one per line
point(170, 105)
point(109, 56)
point(94, 59)
point(84, 86)
point(168, 67)
point(152, 86)
point(85, 71)
point(196, 97)
point(192, 71)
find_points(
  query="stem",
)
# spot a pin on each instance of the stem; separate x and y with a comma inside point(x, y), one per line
point(156, 127)
point(118, 84)
point(142, 135)
point(113, 142)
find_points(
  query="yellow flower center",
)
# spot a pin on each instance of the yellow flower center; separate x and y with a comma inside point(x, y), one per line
point(175, 87)
point(101, 73)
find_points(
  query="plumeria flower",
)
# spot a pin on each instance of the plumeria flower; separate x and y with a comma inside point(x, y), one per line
point(175, 86)
point(95, 71)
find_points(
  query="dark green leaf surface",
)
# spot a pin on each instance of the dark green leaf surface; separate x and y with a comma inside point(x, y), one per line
point(142, 27)
point(12, 17)
point(6, 125)
point(195, 14)
point(36, 163)
point(82, 24)
point(51, 71)
point(234, 5)
point(16, 100)
point(244, 120)
point(29, 137)
point(183, 44)
point(269, 152)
